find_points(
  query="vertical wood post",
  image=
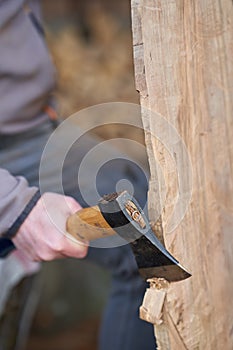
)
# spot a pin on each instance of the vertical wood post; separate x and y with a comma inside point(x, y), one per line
point(183, 56)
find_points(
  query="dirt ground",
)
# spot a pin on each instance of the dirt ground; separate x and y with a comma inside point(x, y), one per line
point(78, 337)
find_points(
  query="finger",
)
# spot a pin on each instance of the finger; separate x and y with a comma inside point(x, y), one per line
point(74, 248)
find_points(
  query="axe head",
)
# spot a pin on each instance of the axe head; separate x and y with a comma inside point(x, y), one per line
point(125, 216)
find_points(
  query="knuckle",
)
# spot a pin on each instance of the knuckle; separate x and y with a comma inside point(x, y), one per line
point(83, 252)
point(73, 204)
point(46, 256)
point(58, 247)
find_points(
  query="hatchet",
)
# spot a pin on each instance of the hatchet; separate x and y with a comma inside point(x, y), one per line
point(119, 213)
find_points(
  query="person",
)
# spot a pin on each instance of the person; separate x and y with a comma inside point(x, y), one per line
point(27, 235)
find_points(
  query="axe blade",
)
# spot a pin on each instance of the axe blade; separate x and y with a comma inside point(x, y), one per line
point(125, 216)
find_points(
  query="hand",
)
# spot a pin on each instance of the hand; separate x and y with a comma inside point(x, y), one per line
point(43, 236)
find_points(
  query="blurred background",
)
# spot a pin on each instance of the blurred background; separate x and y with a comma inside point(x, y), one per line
point(91, 45)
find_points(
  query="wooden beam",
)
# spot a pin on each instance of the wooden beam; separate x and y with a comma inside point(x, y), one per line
point(183, 54)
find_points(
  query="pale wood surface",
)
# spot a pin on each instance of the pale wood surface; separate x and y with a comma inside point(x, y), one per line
point(88, 224)
point(183, 53)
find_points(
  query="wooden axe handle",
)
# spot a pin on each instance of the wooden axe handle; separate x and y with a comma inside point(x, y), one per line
point(88, 224)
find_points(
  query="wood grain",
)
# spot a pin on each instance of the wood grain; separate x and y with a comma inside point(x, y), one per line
point(183, 54)
point(88, 224)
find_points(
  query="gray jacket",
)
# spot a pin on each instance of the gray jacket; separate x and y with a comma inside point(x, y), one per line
point(27, 79)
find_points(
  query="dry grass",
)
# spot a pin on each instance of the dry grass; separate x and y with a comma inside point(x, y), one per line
point(97, 71)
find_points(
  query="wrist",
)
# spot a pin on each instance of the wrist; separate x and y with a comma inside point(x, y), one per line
point(21, 218)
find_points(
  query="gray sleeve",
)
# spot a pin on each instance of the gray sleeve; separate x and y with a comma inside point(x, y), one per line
point(9, 10)
point(27, 73)
point(15, 194)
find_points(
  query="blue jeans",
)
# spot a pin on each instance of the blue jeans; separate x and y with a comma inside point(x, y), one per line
point(121, 327)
